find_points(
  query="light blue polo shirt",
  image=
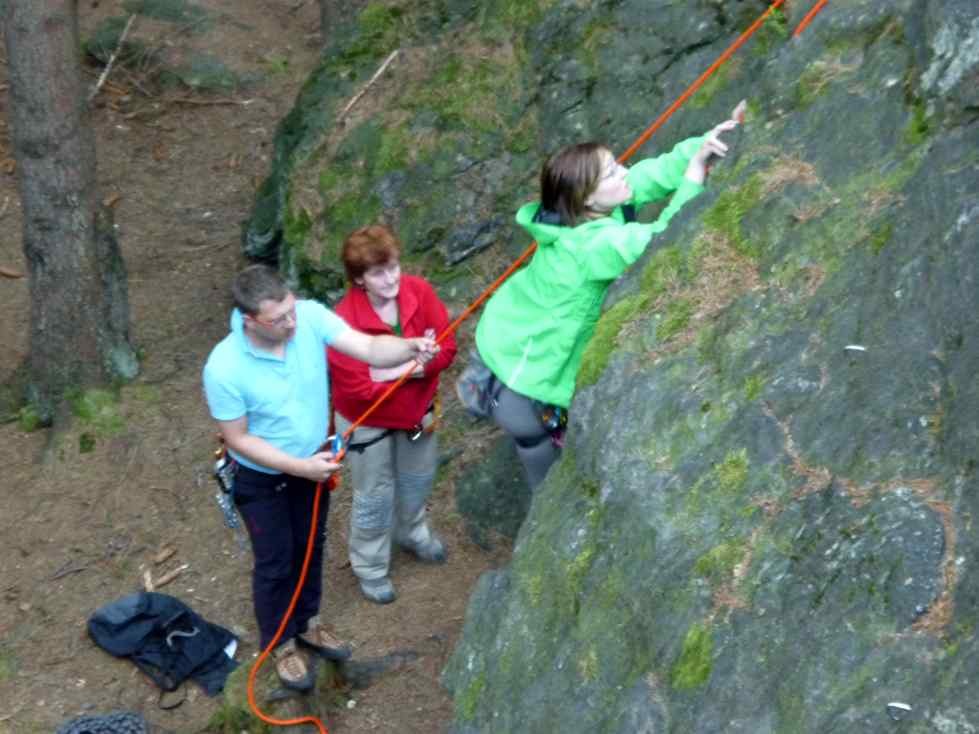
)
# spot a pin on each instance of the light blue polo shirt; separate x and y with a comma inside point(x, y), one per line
point(285, 398)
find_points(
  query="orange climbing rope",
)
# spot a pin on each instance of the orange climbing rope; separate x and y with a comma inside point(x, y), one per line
point(698, 82)
point(455, 325)
point(808, 18)
point(253, 673)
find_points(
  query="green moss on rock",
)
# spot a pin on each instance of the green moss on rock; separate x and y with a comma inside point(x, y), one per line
point(510, 19)
point(467, 91)
point(693, 667)
point(602, 344)
point(918, 128)
point(710, 88)
point(675, 318)
point(719, 562)
point(727, 213)
point(753, 385)
point(774, 31)
point(468, 700)
point(667, 268)
point(732, 473)
point(880, 237)
point(379, 30)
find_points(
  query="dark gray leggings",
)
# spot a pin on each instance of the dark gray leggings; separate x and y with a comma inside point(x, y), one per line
point(515, 414)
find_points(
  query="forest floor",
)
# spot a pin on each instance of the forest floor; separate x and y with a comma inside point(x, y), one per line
point(83, 513)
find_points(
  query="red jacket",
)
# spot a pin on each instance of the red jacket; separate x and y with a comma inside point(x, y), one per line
point(419, 308)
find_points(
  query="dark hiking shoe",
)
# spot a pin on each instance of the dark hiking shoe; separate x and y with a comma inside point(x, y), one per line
point(379, 591)
point(321, 640)
point(292, 668)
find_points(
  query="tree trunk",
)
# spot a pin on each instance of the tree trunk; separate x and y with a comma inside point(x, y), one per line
point(79, 297)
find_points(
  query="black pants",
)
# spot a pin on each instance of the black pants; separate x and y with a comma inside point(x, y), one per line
point(278, 510)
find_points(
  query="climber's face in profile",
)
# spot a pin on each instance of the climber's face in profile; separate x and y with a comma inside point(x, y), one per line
point(611, 189)
point(583, 181)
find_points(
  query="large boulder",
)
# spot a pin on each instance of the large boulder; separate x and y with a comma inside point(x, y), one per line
point(763, 519)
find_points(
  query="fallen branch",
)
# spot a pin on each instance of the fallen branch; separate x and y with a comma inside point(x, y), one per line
point(8, 273)
point(164, 554)
point(370, 83)
point(170, 576)
point(112, 59)
point(67, 570)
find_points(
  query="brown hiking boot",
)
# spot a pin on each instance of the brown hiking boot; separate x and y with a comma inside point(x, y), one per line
point(292, 668)
point(321, 640)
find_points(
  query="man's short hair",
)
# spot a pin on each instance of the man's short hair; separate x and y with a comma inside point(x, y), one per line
point(255, 284)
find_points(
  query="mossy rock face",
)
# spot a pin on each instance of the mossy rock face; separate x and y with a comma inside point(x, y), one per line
point(440, 148)
point(761, 521)
point(493, 495)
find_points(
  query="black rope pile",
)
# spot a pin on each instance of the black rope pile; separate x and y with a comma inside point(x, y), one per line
point(121, 722)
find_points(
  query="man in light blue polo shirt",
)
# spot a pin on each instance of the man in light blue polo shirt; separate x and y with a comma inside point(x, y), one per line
point(266, 385)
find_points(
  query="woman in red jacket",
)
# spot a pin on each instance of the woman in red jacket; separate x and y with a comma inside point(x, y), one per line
point(392, 459)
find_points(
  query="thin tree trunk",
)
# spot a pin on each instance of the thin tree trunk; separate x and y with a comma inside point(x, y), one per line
point(79, 298)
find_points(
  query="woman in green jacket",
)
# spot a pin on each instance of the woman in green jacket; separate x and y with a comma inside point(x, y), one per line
point(536, 326)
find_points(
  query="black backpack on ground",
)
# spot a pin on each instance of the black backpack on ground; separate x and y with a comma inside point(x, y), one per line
point(168, 640)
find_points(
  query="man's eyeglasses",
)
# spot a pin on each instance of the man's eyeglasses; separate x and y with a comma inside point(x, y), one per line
point(286, 319)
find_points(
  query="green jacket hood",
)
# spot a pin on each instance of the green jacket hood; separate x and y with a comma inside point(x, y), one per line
point(544, 234)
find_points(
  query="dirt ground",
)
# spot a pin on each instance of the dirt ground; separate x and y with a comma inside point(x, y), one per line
point(80, 530)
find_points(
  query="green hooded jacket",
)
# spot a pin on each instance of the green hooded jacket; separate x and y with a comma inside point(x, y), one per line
point(536, 326)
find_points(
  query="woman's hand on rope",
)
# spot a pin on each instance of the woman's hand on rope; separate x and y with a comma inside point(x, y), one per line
point(424, 348)
point(318, 467)
point(415, 366)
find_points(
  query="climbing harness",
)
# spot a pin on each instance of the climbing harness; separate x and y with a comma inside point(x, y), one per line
point(553, 418)
point(468, 311)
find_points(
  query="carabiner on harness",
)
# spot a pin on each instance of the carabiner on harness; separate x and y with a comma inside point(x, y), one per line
point(334, 444)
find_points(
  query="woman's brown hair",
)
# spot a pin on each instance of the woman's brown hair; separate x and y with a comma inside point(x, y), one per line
point(368, 246)
point(567, 178)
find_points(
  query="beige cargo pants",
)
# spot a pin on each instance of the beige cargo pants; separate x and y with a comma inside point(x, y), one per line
point(392, 480)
